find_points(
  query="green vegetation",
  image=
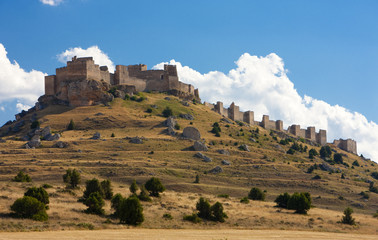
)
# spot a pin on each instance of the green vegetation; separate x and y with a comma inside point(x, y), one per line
point(167, 112)
point(72, 178)
point(192, 218)
point(154, 186)
point(256, 194)
point(216, 129)
point(312, 153)
point(95, 203)
point(282, 200)
point(347, 218)
point(143, 195)
point(38, 193)
point(22, 177)
point(29, 207)
point(133, 187)
point(244, 200)
point(35, 124)
point(107, 189)
point(325, 152)
point(167, 216)
point(300, 202)
point(355, 163)
point(130, 211)
point(71, 125)
point(197, 180)
point(213, 213)
point(338, 158)
point(374, 175)
point(92, 186)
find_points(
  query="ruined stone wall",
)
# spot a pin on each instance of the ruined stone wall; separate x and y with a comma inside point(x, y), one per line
point(348, 145)
point(249, 117)
point(310, 133)
point(50, 85)
point(321, 137)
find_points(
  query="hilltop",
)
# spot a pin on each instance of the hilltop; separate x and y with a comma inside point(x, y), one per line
point(171, 158)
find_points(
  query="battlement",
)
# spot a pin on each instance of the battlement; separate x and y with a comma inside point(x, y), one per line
point(348, 145)
point(235, 114)
point(84, 68)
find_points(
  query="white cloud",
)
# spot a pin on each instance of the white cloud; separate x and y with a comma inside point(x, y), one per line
point(21, 106)
point(17, 84)
point(51, 2)
point(99, 56)
point(2, 108)
point(260, 84)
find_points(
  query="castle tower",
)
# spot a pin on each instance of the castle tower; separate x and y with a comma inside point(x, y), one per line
point(321, 137)
point(249, 117)
point(310, 133)
point(279, 125)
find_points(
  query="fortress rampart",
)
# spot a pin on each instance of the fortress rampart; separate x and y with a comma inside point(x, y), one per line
point(133, 75)
point(348, 145)
point(235, 114)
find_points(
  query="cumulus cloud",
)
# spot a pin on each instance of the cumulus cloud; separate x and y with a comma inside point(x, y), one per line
point(21, 106)
point(99, 56)
point(51, 2)
point(261, 84)
point(18, 84)
point(2, 108)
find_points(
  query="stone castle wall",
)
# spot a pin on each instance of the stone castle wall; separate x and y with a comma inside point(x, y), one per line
point(348, 145)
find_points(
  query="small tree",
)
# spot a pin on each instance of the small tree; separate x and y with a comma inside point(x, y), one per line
point(134, 187)
point(347, 218)
point(22, 177)
point(355, 163)
point(131, 211)
point(300, 202)
point(204, 208)
point(95, 203)
point(338, 158)
point(39, 193)
point(35, 124)
point(197, 179)
point(217, 212)
point(167, 112)
point(115, 203)
point(72, 178)
point(282, 200)
point(325, 152)
point(143, 195)
point(154, 186)
point(106, 186)
point(256, 194)
point(312, 153)
point(71, 125)
point(91, 187)
point(29, 207)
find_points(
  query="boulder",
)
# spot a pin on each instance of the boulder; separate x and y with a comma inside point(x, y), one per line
point(279, 148)
point(171, 131)
point(34, 142)
point(203, 157)
point(44, 132)
point(223, 151)
point(191, 133)
point(99, 114)
point(186, 116)
point(96, 136)
point(136, 140)
point(119, 94)
point(54, 137)
point(252, 139)
point(185, 103)
point(154, 106)
point(199, 146)
point(167, 98)
point(244, 147)
point(216, 170)
point(61, 144)
point(226, 120)
point(225, 162)
point(170, 122)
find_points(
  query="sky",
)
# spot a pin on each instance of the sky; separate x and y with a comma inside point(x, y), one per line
point(313, 63)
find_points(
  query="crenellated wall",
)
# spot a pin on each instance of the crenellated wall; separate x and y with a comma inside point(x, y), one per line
point(348, 145)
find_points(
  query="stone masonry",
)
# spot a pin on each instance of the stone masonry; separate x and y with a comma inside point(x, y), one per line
point(348, 145)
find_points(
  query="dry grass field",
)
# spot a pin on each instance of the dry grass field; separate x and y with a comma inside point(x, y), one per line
point(172, 160)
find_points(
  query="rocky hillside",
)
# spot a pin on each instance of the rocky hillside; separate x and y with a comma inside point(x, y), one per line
point(131, 139)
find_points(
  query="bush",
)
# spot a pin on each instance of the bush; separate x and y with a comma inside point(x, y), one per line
point(115, 203)
point(149, 110)
point(131, 211)
point(29, 207)
point(217, 212)
point(347, 218)
point(223, 195)
point(154, 186)
point(300, 202)
point(95, 203)
point(72, 178)
point(312, 153)
point(204, 209)
point(282, 200)
point(365, 195)
point(338, 158)
point(71, 125)
point(113, 135)
point(92, 186)
point(355, 163)
point(290, 151)
point(374, 175)
point(143, 195)
point(22, 177)
point(256, 194)
point(216, 129)
point(167, 216)
point(167, 112)
point(106, 186)
point(177, 126)
point(197, 179)
point(372, 188)
point(244, 200)
point(192, 218)
point(38, 193)
point(35, 124)
point(325, 152)
point(133, 187)
point(312, 168)
point(46, 186)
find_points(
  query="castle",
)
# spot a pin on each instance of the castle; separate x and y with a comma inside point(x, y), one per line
point(137, 77)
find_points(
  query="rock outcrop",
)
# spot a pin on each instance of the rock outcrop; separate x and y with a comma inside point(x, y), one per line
point(191, 133)
point(199, 146)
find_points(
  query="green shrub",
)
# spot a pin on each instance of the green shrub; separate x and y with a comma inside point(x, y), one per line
point(374, 175)
point(217, 212)
point(46, 186)
point(312, 153)
point(282, 200)
point(143, 195)
point(347, 218)
point(106, 186)
point(154, 186)
point(244, 200)
point(133, 98)
point(149, 110)
point(92, 186)
point(72, 178)
point(133, 187)
point(375, 215)
point(312, 168)
point(317, 177)
point(325, 152)
point(29, 207)
point(22, 177)
point(197, 180)
point(223, 195)
point(38, 193)
point(338, 158)
point(35, 124)
point(177, 126)
point(113, 135)
point(167, 112)
point(95, 203)
point(365, 195)
point(115, 203)
point(167, 216)
point(290, 151)
point(131, 211)
point(204, 209)
point(355, 163)
point(256, 194)
point(192, 218)
point(300, 202)
point(71, 125)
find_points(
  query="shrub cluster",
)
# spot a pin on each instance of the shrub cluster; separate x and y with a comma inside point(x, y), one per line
point(22, 177)
point(167, 112)
point(312, 153)
point(300, 202)
point(154, 186)
point(256, 194)
point(297, 147)
point(72, 178)
point(208, 212)
point(216, 129)
point(325, 152)
point(94, 194)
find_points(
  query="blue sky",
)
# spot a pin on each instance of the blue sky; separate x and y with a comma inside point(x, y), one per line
point(329, 48)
